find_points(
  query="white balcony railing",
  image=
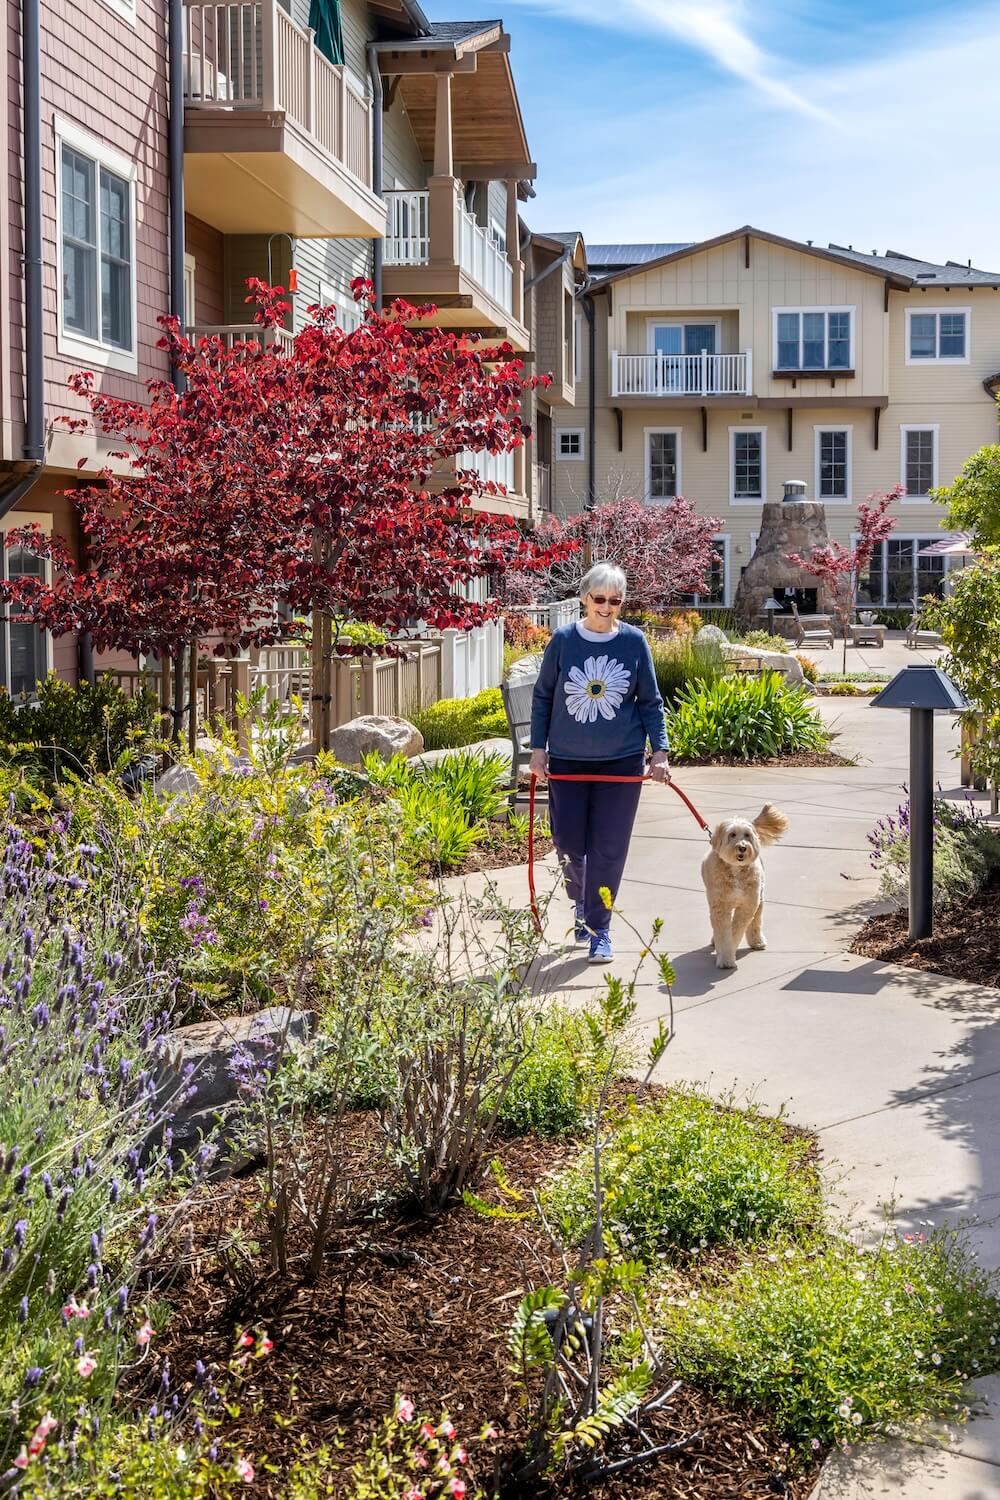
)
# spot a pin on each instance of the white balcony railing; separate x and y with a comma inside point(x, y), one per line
point(408, 243)
point(236, 333)
point(253, 56)
point(665, 375)
point(481, 256)
point(495, 467)
point(407, 233)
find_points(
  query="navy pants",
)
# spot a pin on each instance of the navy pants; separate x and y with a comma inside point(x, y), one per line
point(591, 825)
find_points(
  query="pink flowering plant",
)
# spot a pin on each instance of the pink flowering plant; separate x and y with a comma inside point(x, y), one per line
point(416, 1457)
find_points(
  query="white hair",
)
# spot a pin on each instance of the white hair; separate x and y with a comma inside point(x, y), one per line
point(603, 575)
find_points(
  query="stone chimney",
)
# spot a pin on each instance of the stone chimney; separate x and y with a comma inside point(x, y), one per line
point(791, 524)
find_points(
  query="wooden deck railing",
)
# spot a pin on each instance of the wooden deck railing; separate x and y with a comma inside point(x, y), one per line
point(253, 56)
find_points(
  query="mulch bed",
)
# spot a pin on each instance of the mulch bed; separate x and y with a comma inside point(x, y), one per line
point(418, 1307)
point(965, 943)
point(799, 758)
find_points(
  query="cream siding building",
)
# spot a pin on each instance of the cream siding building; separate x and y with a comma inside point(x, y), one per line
point(725, 368)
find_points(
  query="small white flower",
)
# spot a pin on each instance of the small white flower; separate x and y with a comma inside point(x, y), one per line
point(857, 1418)
point(789, 1253)
point(935, 1359)
point(843, 1410)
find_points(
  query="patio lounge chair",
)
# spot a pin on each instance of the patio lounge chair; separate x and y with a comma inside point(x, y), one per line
point(915, 637)
point(814, 635)
point(517, 706)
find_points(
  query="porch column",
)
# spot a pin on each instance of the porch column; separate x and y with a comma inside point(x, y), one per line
point(444, 161)
point(513, 253)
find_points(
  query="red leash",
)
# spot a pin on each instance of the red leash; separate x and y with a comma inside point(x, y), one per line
point(531, 822)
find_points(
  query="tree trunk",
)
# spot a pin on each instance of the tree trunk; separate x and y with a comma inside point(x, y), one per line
point(177, 712)
point(193, 697)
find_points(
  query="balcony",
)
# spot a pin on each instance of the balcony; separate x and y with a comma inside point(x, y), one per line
point(680, 377)
point(231, 334)
point(276, 138)
point(436, 251)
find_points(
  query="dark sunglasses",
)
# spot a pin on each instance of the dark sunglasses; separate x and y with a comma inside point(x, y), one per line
point(616, 602)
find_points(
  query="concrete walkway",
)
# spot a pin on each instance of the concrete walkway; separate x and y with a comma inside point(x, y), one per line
point(898, 1071)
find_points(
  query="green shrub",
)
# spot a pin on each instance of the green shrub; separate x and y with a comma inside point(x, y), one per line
point(763, 640)
point(551, 1090)
point(966, 853)
point(445, 807)
point(74, 729)
point(834, 1342)
point(357, 633)
point(682, 663)
point(748, 718)
point(685, 1173)
point(453, 722)
point(843, 690)
point(257, 880)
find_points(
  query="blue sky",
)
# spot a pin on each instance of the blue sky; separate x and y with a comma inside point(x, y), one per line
point(869, 124)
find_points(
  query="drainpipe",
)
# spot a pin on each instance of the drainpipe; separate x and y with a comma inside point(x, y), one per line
point(376, 78)
point(34, 391)
point(175, 157)
point(587, 303)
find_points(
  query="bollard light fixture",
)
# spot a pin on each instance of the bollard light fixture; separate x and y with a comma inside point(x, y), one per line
point(772, 606)
point(922, 691)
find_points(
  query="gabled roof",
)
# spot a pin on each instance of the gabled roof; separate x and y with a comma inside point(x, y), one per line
point(561, 240)
point(894, 276)
point(923, 272)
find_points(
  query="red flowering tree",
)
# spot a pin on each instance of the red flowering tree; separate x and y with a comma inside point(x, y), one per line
point(666, 551)
point(839, 568)
point(327, 476)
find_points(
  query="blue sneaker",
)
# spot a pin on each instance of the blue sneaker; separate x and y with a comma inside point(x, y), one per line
point(600, 948)
point(581, 932)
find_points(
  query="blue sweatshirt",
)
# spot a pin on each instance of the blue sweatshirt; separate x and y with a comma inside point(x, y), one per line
point(597, 701)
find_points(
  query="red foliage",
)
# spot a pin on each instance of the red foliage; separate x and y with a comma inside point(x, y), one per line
point(283, 481)
point(840, 567)
point(665, 550)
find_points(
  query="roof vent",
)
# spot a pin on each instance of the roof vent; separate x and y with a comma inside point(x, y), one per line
point(794, 489)
point(925, 275)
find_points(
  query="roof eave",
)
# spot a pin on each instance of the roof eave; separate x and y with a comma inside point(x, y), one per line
point(901, 283)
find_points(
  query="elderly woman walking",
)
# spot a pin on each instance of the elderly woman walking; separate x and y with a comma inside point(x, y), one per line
point(595, 704)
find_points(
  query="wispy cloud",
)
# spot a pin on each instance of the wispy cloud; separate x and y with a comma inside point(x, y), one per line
point(715, 28)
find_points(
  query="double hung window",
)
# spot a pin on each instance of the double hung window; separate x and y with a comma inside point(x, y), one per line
point(96, 199)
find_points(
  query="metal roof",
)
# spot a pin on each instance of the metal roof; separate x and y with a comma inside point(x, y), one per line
point(632, 255)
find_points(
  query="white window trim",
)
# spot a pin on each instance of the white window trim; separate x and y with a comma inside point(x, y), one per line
point(126, 9)
point(825, 369)
point(747, 499)
point(43, 520)
point(570, 458)
point(937, 360)
point(652, 324)
point(190, 270)
point(905, 536)
point(577, 346)
point(935, 427)
point(647, 433)
point(76, 345)
point(817, 433)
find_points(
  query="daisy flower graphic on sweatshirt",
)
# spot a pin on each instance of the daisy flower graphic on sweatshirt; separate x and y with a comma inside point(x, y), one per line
point(598, 689)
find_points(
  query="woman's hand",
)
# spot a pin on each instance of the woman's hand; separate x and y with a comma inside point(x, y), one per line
point(539, 764)
point(659, 766)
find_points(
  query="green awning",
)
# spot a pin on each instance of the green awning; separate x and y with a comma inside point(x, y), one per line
point(324, 18)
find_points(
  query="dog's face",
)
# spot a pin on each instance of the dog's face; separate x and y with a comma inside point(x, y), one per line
point(735, 842)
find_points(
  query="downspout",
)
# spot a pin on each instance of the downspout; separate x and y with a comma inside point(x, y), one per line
point(34, 390)
point(175, 158)
point(376, 78)
point(587, 303)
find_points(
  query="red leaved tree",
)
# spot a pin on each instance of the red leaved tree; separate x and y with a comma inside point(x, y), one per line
point(325, 476)
point(666, 551)
point(839, 567)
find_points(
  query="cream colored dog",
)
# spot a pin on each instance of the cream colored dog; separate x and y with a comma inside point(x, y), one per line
point(734, 881)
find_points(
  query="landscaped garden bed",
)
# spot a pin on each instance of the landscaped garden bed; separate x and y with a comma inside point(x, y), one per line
point(965, 943)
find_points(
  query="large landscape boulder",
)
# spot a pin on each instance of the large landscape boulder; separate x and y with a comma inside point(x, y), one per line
point(383, 733)
point(525, 669)
point(775, 661)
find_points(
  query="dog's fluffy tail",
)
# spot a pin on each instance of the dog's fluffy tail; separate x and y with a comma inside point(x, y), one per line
point(770, 824)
